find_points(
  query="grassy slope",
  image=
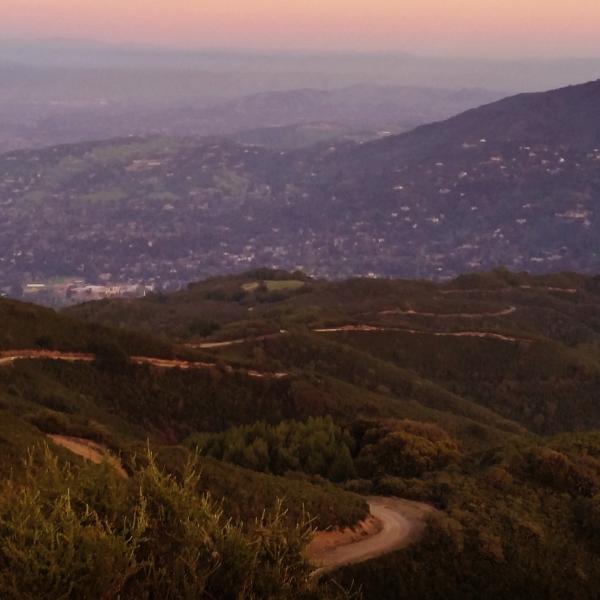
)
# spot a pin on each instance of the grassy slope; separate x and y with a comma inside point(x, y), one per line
point(534, 383)
point(513, 505)
point(122, 405)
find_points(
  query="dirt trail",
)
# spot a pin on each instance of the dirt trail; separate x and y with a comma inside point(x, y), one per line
point(394, 524)
point(210, 345)
point(376, 328)
point(236, 342)
point(92, 451)
point(353, 328)
point(410, 312)
point(10, 356)
point(550, 289)
point(511, 289)
point(371, 328)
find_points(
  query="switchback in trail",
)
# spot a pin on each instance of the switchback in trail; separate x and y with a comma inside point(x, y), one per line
point(394, 524)
point(364, 328)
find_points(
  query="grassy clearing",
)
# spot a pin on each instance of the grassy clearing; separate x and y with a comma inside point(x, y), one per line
point(274, 286)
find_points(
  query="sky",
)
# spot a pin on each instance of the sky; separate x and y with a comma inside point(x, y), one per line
point(489, 28)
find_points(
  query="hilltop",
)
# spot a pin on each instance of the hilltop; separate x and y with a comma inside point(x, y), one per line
point(564, 118)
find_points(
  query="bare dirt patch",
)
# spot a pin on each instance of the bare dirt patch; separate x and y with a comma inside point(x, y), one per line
point(89, 450)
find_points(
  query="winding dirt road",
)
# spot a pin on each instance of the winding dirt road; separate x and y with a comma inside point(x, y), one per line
point(372, 328)
point(364, 328)
point(533, 288)
point(8, 357)
point(399, 523)
point(414, 313)
point(236, 342)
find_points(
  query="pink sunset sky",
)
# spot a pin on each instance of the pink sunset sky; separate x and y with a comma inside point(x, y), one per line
point(459, 27)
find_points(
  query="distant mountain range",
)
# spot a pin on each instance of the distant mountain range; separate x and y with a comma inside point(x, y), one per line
point(308, 68)
point(45, 107)
point(360, 106)
point(513, 183)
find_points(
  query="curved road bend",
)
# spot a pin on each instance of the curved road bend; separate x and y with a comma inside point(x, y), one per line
point(402, 523)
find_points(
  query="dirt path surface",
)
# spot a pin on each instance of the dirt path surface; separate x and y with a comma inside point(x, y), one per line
point(376, 328)
point(352, 328)
point(90, 450)
point(210, 345)
point(237, 342)
point(410, 312)
point(533, 288)
point(394, 524)
point(372, 328)
point(551, 289)
point(10, 356)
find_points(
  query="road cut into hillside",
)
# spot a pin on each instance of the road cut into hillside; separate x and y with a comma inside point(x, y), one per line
point(533, 288)
point(364, 328)
point(236, 342)
point(9, 357)
point(414, 313)
point(394, 524)
point(373, 328)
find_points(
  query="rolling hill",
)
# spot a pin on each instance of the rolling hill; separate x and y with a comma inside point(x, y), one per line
point(565, 118)
point(509, 184)
point(50, 106)
point(477, 396)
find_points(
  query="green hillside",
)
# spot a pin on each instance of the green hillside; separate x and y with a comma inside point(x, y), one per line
point(478, 396)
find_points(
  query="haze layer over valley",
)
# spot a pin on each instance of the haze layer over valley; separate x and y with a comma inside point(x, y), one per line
point(60, 91)
point(508, 184)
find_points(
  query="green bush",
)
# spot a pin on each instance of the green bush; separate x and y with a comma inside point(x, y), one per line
point(403, 448)
point(578, 477)
point(83, 533)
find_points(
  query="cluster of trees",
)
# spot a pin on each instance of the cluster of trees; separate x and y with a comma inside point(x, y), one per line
point(564, 472)
point(371, 449)
point(317, 446)
point(402, 448)
point(69, 532)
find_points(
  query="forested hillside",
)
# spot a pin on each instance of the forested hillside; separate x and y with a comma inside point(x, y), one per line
point(477, 396)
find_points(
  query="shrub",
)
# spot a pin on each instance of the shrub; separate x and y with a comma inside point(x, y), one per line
point(67, 533)
point(402, 448)
point(564, 473)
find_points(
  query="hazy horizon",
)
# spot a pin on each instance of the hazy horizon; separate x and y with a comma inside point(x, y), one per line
point(166, 47)
point(454, 28)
